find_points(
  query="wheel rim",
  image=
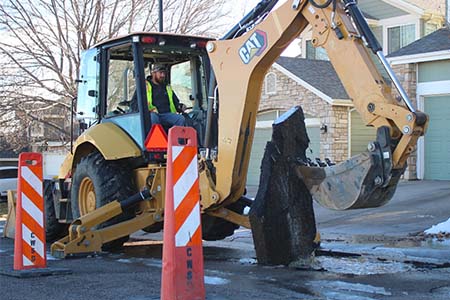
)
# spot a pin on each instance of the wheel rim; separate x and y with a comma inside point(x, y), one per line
point(86, 196)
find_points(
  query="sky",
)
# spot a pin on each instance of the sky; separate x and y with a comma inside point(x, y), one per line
point(242, 7)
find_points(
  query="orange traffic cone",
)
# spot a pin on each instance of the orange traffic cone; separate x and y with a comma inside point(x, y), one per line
point(182, 271)
point(29, 243)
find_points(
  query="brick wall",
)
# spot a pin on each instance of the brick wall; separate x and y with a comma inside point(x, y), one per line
point(407, 74)
point(334, 143)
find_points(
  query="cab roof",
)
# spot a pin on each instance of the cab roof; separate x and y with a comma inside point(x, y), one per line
point(158, 35)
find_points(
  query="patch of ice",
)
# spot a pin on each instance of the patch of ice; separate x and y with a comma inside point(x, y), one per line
point(216, 280)
point(149, 262)
point(425, 216)
point(443, 227)
point(345, 296)
point(361, 266)
point(152, 262)
point(349, 287)
point(248, 261)
point(359, 287)
point(218, 272)
point(51, 257)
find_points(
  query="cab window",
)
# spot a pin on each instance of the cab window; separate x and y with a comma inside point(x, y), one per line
point(121, 83)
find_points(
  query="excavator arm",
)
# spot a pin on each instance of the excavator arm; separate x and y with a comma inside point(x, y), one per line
point(240, 62)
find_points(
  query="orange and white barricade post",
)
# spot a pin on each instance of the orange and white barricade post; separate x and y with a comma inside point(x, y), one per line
point(29, 243)
point(182, 271)
point(30, 258)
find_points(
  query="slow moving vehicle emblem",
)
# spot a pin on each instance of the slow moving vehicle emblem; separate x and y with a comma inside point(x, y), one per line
point(254, 46)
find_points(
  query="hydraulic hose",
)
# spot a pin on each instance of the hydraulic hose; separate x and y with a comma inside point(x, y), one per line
point(374, 45)
point(261, 8)
point(363, 27)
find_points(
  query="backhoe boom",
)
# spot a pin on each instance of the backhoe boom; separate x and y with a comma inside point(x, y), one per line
point(240, 64)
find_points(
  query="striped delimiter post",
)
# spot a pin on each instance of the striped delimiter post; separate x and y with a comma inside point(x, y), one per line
point(29, 244)
point(182, 274)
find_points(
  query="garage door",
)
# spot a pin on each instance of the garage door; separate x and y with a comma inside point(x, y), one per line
point(262, 135)
point(314, 141)
point(360, 135)
point(437, 138)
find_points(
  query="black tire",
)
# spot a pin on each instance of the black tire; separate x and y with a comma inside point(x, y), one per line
point(53, 229)
point(157, 227)
point(214, 228)
point(110, 180)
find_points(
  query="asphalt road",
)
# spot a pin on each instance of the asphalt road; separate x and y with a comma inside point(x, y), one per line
point(367, 254)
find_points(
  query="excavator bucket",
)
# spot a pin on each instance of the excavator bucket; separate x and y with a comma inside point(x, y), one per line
point(363, 181)
point(355, 183)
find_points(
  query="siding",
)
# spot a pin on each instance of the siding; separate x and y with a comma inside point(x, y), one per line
point(360, 135)
point(434, 71)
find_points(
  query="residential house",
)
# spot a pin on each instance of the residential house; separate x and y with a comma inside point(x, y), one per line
point(334, 127)
point(49, 130)
point(426, 64)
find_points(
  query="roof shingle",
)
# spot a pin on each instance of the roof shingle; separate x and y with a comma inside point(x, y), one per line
point(318, 73)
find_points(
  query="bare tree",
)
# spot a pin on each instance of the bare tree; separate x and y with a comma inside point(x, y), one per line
point(42, 41)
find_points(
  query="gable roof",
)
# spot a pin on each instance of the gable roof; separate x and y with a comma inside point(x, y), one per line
point(436, 41)
point(318, 76)
point(433, 47)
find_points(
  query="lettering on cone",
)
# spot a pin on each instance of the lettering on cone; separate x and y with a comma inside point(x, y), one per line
point(33, 245)
point(189, 266)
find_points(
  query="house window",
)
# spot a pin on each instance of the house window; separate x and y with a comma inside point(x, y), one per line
point(315, 53)
point(400, 36)
point(270, 84)
point(267, 116)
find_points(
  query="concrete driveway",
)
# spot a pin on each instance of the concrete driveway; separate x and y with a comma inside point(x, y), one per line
point(416, 206)
point(393, 231)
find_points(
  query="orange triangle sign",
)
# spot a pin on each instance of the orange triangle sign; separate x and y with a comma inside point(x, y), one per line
point(157, 139)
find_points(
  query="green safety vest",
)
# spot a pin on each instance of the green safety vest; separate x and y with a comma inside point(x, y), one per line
point(150, 98)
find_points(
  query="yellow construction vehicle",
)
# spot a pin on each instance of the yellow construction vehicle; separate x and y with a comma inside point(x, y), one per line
point(112, 183)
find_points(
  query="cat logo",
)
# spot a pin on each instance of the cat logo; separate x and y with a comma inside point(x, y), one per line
point(254, 46)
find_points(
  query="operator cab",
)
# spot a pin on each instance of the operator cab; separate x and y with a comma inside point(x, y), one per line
point(112, 84)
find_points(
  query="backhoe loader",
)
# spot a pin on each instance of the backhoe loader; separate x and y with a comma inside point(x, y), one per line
point(112, 183)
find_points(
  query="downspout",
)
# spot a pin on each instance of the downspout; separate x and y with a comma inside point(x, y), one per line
point(447, 13)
